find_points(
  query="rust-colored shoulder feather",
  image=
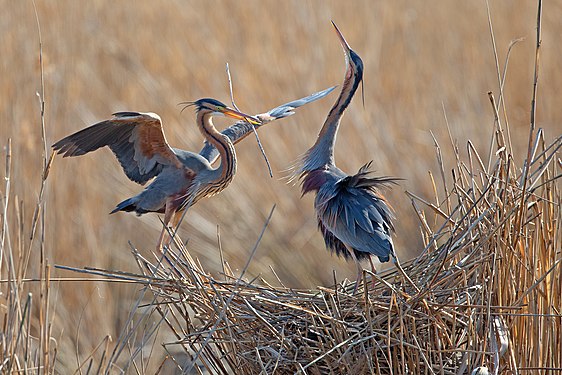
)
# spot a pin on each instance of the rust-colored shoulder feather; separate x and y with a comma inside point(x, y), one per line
point(137, 140)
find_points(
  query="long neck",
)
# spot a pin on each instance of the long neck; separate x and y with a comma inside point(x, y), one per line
point(223, 144)
point(322, 152)
point(235, 133)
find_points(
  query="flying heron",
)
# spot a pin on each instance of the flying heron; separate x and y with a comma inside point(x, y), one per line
point(138, 141)
point(353, 216)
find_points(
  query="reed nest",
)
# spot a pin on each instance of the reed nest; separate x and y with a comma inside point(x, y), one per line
point(488, 289)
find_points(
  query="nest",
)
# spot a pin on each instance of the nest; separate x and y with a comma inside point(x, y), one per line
point(487, 293)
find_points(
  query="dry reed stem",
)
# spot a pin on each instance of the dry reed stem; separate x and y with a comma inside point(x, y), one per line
point(253, 127)
point(26, 341)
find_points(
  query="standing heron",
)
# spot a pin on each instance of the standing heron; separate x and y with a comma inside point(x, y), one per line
point(353, 216)
point(138, 141)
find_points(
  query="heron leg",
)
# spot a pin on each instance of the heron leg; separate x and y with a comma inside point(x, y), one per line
point(159, 247)
point(359, 269)
point(173, 226)
point(169, 212)
point(373, 269)
point(401, 270)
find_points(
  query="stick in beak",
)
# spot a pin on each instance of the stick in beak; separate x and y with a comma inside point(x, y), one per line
point(241, 116)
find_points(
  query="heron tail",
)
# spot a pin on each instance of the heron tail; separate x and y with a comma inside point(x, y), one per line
point(127, 205)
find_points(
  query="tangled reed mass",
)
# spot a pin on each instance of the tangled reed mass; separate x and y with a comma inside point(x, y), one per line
point(489, 289)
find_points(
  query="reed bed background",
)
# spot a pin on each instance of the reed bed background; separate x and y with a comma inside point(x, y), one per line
point(429, 68)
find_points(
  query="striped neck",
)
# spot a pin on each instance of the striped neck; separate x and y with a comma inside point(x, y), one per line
point(224, 146)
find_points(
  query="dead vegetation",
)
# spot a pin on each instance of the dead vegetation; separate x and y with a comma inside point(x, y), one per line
point(489, 286)
point(490, 294)
point(489, 279)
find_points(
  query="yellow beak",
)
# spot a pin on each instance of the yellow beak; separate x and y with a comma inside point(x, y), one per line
point(240, 116)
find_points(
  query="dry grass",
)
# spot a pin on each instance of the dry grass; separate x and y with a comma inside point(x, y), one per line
point(490, 291)
point(428, 67)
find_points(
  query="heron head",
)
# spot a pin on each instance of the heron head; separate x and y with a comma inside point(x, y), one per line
point(354, 72)
point(217, 108)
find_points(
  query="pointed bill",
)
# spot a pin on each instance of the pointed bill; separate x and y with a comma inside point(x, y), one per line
point(240, 116)
point(343, 42)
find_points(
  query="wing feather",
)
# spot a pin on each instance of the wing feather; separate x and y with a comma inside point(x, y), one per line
point(137, 140)
point(353, 211)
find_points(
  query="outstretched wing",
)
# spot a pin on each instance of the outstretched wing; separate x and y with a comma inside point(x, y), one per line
point(286, 109)
point(242, 129)
point(354, 213)
point(136, 139)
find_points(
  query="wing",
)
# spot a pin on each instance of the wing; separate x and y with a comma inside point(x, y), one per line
point(242, 129)
point(136, 139)
point(286, 109)
point(354, 212)
point(334, 244)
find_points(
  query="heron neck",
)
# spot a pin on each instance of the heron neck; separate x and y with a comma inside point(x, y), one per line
point(222, 143)
point(322, 152)
point(235, 133)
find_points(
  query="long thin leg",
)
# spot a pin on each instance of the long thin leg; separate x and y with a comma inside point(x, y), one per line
point(372, 264)
point(173, 227)
point(373, 269)
point(168, 213)
point(359, 269)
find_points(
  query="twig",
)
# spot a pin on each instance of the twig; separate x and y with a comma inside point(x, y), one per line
point(39, 218)
point(221, 255)
point(253, 127)
point(527, 164)
point(6, 201)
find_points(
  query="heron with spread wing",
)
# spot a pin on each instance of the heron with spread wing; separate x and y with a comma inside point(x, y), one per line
point(138, 141)
point(353, 216)
point(181, 177)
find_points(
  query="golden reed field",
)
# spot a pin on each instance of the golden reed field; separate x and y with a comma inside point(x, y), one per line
point(428, 68)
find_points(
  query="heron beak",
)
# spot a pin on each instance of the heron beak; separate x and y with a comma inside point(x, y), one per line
point(345, 46)
point(240, 116)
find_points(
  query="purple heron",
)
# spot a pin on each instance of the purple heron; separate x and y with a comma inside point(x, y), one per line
point(138, 141)
point(353, 216)
point(181, 177)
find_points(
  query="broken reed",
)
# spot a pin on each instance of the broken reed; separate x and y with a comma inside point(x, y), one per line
point(489, 278)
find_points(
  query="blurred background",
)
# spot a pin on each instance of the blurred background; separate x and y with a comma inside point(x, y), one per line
point(426, 64)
